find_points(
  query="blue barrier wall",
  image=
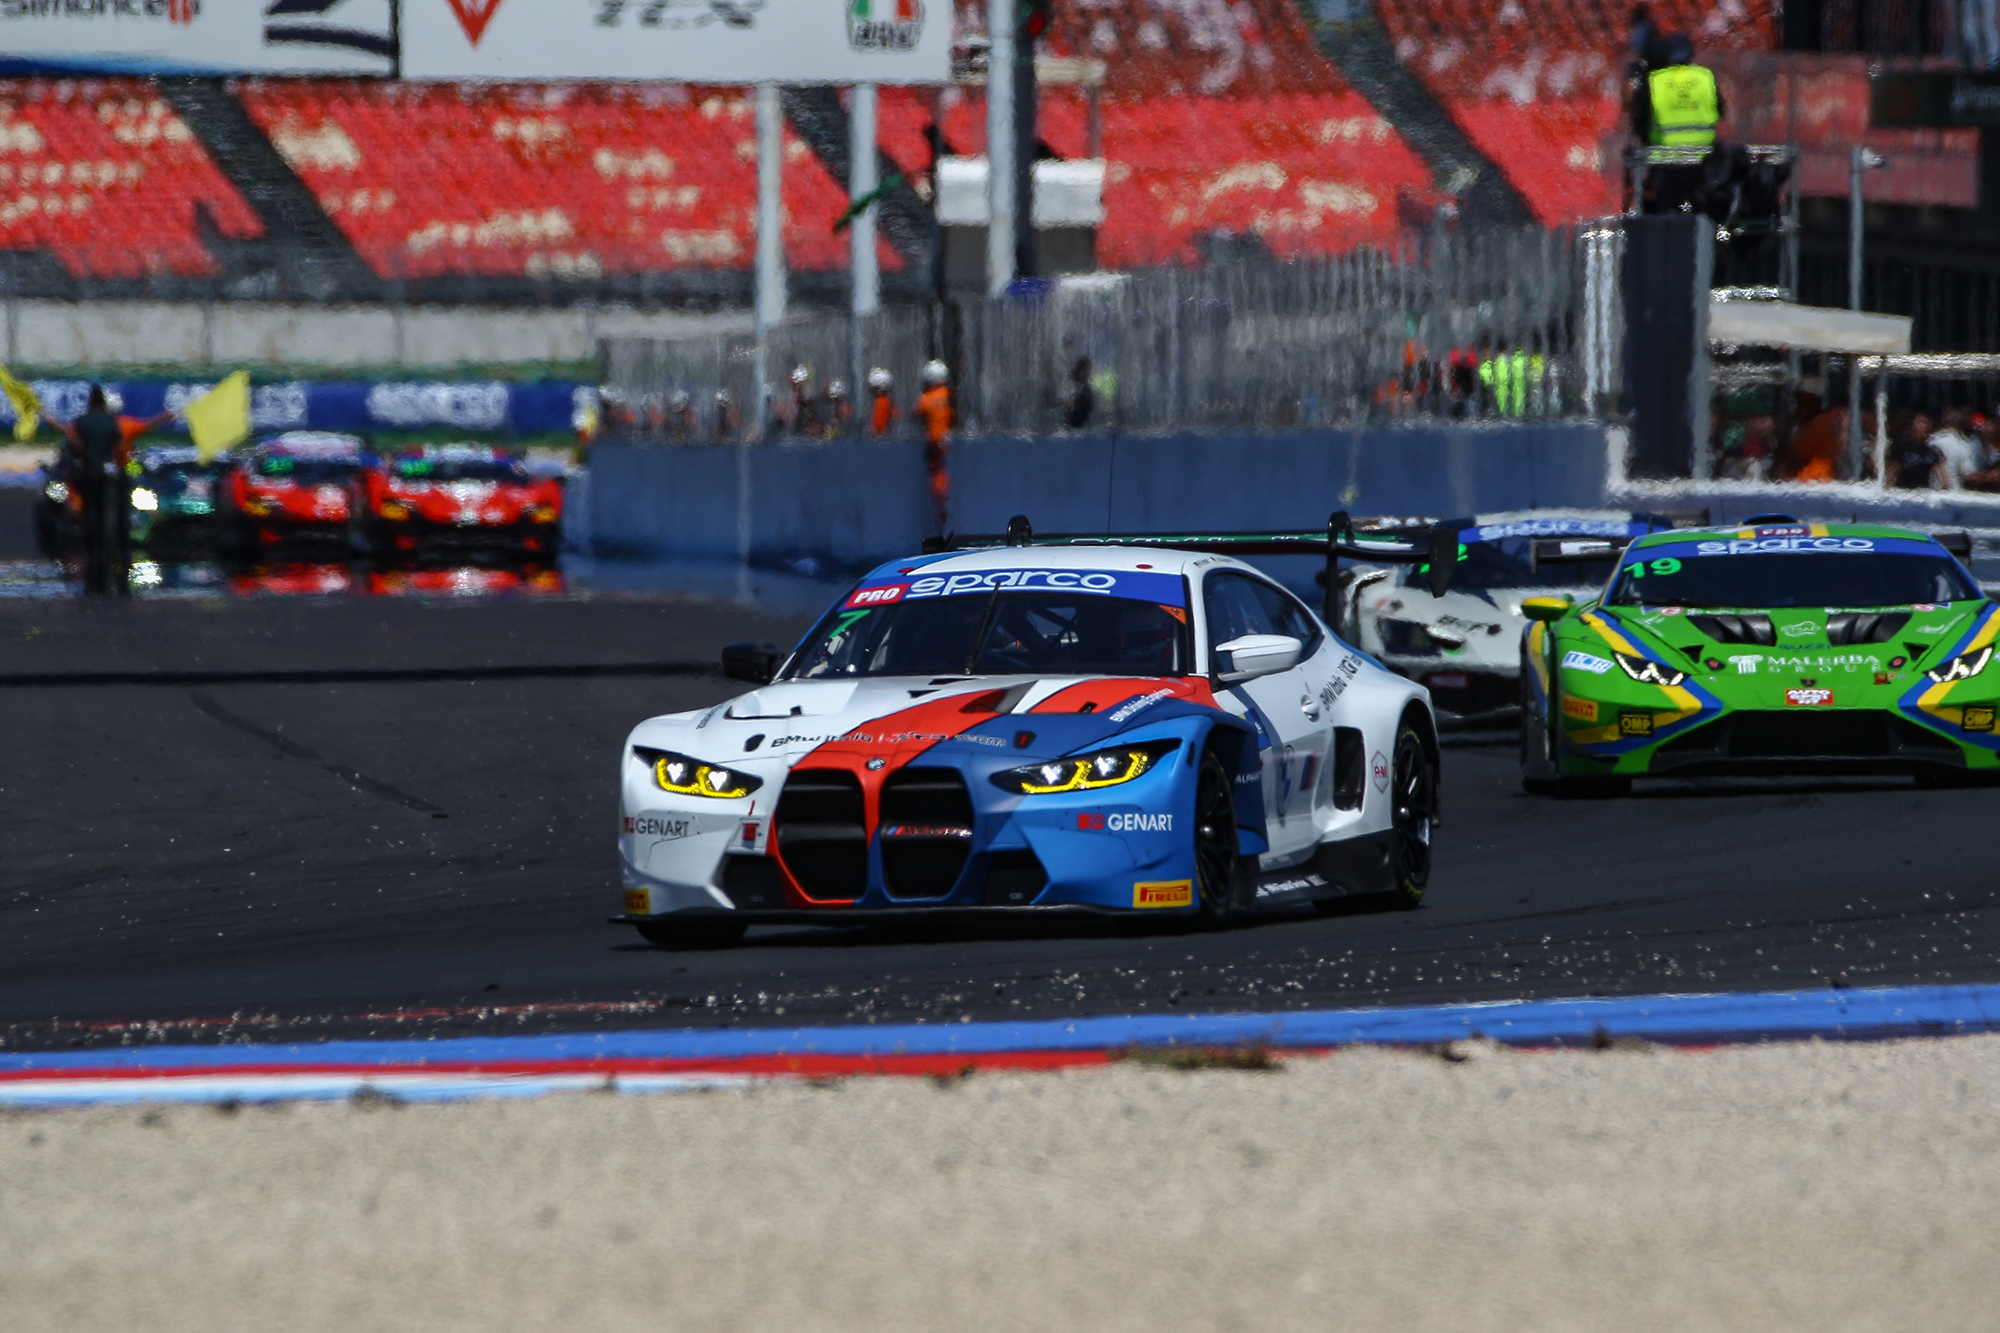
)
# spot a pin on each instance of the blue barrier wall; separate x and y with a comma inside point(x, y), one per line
point(853, 502)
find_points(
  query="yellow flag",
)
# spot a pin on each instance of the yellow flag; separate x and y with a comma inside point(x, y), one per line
point(27, 407)
point(219, 420)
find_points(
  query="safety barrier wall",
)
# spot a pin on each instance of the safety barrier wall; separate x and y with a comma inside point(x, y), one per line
point(847, 503)
point(231, 333)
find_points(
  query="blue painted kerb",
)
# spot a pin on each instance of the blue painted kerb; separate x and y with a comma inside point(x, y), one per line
point(1677, 1019)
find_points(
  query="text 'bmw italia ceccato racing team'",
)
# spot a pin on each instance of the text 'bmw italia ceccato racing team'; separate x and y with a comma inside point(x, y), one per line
point(1088, 727)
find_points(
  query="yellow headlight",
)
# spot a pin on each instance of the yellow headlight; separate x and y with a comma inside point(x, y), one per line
point(1085, 772)
point(392, 510)
point(683, 776)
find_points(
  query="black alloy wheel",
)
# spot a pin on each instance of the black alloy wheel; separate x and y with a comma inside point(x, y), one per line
point(1218, 860)
point(1413, 792)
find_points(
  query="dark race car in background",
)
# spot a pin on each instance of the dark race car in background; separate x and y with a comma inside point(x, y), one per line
point(292, 486)
point(172, 498)
point(456, 494)
point(58, 510)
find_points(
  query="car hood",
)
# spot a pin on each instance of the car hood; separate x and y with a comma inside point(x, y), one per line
point(792, 718)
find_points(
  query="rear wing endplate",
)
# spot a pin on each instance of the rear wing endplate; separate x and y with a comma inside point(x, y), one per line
point(1575, 550)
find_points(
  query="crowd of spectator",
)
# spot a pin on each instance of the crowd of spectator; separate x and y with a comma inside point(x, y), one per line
point(1953, 449)
point(1488, 378)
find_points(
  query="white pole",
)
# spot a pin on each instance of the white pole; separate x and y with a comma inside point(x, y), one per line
point(1001, 16)
point(769, 300)
point(862, 178)
point(770, 296)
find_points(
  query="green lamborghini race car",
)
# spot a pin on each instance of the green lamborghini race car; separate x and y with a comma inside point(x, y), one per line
point(1776, 647)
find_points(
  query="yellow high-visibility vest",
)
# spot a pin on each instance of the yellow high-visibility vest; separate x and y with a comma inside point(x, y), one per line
point(1685, 106)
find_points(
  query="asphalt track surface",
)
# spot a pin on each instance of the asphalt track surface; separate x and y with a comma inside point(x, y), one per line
point(264, 819)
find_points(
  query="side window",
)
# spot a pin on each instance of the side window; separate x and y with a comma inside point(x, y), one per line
point(1235, 606)
point(1284, 611)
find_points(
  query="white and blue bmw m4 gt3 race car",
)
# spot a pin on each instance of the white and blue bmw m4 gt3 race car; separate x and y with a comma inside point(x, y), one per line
point(1138, 725)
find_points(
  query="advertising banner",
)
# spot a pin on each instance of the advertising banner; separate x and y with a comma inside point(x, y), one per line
point(693, 41)
point(206, 37)
point(482, 407)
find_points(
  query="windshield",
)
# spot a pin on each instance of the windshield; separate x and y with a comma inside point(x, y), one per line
point(305, 471)
point(457, 469)
point(1504, 564)
point(1002, 634)
point(169, 474)
point(1792, 579)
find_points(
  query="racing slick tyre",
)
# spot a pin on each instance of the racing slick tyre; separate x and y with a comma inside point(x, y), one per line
point(1540, 772)
point(1225, 879)
point(700, 933)
point(1413, 790)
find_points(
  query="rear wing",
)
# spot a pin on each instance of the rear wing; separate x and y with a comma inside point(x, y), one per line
point(1433, 545)
point(1583, 550)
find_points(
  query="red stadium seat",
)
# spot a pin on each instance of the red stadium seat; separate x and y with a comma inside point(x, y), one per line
point(551, 181)
point(1210, 127)
point(102, 174)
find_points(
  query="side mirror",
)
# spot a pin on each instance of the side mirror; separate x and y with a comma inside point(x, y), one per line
point(1546, 608)
point(754, 662)
point(1256, 655)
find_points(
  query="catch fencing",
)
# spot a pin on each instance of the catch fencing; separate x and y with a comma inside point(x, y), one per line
point(1489, 324)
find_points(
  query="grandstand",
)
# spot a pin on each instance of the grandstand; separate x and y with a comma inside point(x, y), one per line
point(1218, 121)
point(1540, 89)
point(570, 182)
point(1223, 121)
point(102, 178)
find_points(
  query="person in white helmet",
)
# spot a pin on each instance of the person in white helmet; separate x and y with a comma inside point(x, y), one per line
point(681, 424)
point(934, 410)
point(882, 411)
point(839, 410)
point(728, 423)
point(805, 412)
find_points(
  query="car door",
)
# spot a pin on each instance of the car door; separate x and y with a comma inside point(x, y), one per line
point(1290, 719)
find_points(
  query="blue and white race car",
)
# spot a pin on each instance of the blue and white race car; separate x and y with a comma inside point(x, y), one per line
point(1118, 725)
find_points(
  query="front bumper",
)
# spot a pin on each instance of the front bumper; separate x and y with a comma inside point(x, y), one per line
point(1829, 742)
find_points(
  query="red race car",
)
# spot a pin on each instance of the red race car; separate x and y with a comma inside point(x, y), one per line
point(290, 486)
point(460, 494)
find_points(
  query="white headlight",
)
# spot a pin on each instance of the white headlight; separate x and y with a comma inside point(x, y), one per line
point(144, 500)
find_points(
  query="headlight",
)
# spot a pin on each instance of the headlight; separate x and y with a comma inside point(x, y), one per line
point(144, 500)
point(391, 510)
point(1961, 668)
point(1648, 672)
point(1085, 772)
point(57, 491)
point(690, 777)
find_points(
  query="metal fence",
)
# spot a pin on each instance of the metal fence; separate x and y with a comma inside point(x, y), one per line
point(1478, 324)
